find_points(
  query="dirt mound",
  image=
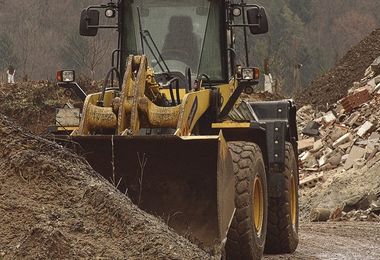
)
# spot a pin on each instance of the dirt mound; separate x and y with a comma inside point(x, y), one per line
point(334, 85)
point(54, 206)
point(33, 104)
point(262, 96)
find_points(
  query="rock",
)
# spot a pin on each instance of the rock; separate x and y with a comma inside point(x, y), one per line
point(342, 140)
point(375, 66)
point(359, 164)
point(365, 128)
point(335, 160)
point(329, 118)
point(375, 206)
point(305, 144)
point(355, 153)
point(351, 120)
point(320, 215)
point(318, 145)
point(327, 167)
point(360, 202)
point(311, 129)
point(374, 160)
point(336, 132)
point(374, 136)
point(377, 88)
point(373, 82)
point(327, 154)
point(308, 160)
point(336, 214)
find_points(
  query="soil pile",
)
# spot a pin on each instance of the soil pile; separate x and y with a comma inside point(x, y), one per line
point(33, 104)
point(262, 96)
point(334, 85)
point(54, 206)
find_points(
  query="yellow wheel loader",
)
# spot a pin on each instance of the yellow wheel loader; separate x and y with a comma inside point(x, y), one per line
point(169, 130)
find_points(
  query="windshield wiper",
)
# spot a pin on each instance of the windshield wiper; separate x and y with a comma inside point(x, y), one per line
point(144, 34)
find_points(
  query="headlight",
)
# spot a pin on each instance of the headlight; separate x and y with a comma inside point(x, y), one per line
point(66, 76)
point(236, 11)
point(247, 74)
point(250, 73)
point(110, 13)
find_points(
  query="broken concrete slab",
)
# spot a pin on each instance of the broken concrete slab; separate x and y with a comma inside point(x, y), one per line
point(329, 118)
point(305, 144)
point(373, 161)
point(351, 120)
point(355, 153)
point(365, 128)
point(359, 164)
point(374, 136)
point(335, 160)
point(337, 131)
point(346, 146)
point(318, 145)
point(327, 154)
point(373, 83)
point(375, 66)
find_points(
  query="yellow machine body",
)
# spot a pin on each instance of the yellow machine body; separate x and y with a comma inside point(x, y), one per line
point(185, 179)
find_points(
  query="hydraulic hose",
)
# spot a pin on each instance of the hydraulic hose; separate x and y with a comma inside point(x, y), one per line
point(105, 84)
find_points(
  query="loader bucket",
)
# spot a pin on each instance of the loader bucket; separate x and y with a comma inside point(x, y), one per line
point(187, 182)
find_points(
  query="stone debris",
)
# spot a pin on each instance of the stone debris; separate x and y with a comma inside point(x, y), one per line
point(345, 140)
point(357, 208)
point(311, 181)
point(347, 135)
point(355, 100)
point(320, 215)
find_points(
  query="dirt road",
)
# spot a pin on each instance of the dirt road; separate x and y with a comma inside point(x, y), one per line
point(340, 240)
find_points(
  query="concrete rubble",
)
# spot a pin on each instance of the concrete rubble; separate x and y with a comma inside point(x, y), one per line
point(344, 138)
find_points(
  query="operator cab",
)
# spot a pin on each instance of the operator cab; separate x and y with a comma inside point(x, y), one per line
point(182, 38)
point(189, 44)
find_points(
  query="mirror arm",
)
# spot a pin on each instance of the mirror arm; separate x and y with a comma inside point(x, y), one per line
point(103, 26)
point(245, 25)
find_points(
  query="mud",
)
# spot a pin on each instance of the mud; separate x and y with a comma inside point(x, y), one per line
point(337, 240)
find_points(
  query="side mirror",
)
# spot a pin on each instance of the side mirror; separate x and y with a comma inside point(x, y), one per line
point(89, 20)
point(258, 18)
point(202, 11)
point(144, 12)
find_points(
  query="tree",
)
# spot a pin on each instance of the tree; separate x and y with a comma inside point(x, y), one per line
point(84, 53)
point(7, 55)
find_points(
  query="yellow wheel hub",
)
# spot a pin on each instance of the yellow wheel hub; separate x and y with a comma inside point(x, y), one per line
point(293, 200)
point(258, 205)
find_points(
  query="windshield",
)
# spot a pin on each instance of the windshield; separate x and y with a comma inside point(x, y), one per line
point(178, 29)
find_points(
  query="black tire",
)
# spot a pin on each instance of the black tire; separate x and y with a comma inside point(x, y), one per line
point(282, 234)
point(246, 236)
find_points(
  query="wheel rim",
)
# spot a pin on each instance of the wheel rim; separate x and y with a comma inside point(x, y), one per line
point(293, 200)
point(258, 205)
